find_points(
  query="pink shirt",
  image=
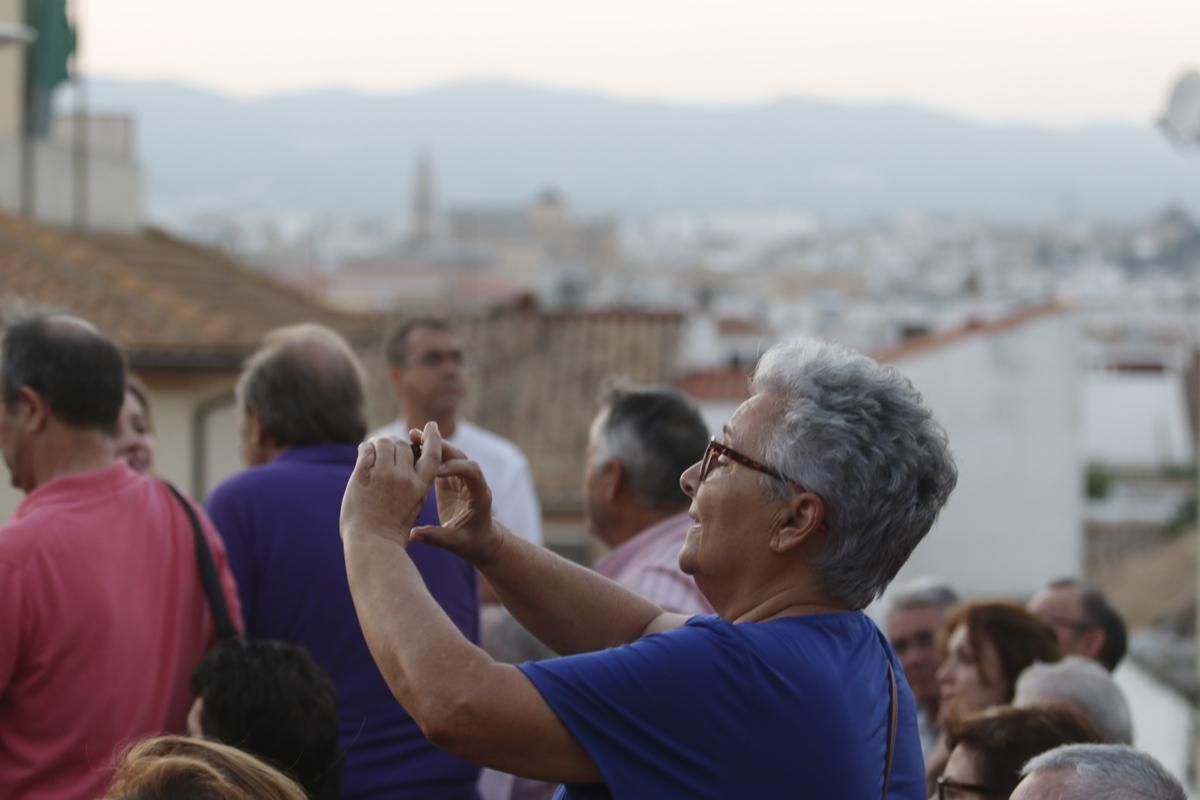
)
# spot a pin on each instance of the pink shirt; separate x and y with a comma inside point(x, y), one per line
point(102, 619)
point(649, 565)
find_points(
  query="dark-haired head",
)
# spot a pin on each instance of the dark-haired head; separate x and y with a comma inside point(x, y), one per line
point(75, 369)
point(273, 701)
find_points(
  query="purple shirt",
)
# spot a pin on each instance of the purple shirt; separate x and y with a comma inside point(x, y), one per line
point(648, 564)
point(280, 525)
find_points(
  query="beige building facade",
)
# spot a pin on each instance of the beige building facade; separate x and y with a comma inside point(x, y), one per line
point(12, 73)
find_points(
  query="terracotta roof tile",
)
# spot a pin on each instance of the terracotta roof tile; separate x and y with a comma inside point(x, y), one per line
point(167, 302)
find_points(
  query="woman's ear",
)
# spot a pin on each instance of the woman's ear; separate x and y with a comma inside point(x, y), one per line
point(804, 518)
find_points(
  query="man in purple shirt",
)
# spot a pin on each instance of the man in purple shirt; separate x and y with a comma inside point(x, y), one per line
point(302, 397)
point(641, 441)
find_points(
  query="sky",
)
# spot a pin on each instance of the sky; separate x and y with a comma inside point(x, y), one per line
point(1048, 62)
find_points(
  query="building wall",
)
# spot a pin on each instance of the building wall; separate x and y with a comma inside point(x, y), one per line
point(114, 185)
point(1011, 404)
point(12, 75)
point(1162, 718)
point(176, 399)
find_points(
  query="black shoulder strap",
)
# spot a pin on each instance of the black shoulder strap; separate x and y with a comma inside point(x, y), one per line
point(893, 718)
point(208, 573)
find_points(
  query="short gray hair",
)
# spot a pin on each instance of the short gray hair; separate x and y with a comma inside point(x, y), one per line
point(922, 592)
point(1109, 772)
point(1084, 684)
point(656, 435)
point(857, 434)
point(306, 386)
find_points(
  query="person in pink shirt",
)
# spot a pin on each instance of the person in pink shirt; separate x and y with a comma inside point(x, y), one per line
point(102, 613)
point(640, 442)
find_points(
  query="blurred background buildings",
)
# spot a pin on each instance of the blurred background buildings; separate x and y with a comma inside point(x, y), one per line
point(1041, 288)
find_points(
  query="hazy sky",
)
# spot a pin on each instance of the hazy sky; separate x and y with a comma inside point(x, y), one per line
point(1044, 61)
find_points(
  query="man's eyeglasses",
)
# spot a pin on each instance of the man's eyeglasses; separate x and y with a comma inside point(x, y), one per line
point(953, 790)
point(716, 450)
point(1076, 625)
point(435, 358)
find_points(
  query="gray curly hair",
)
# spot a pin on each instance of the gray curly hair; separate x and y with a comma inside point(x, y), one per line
point(857, 434)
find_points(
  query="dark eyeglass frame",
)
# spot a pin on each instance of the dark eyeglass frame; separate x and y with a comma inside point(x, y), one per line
point(716, 448)
point(1077, 625)
point(434, 359)
point(944, 783)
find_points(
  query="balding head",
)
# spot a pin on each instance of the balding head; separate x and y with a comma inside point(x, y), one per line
point(305, 386)
point(75, 369)
point(1084, 684)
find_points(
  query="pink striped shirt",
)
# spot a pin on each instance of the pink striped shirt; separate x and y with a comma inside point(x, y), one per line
point(648, 564)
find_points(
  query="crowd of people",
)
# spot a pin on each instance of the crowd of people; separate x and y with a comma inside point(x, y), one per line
point(397, 629)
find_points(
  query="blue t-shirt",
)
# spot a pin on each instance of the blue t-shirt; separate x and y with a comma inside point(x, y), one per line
point(792, 708)
point(280, 526)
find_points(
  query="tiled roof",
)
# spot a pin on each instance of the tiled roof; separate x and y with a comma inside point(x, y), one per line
point(167, 302)
point(919, 345)
point(535, 378)
point(720, 384)
point(732, 383)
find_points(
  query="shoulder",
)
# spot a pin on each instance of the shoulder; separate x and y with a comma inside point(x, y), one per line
point(394, 428)
point(20, 537)
point(250, 481)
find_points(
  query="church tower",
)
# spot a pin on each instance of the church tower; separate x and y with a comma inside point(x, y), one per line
point(422, 201)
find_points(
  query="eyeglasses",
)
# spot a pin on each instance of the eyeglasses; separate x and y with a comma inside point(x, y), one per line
point(716, 449)
point(1077, 625)
point(952, 790)
point(435, 358)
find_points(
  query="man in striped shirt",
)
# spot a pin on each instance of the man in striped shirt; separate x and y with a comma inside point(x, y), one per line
point(641, 441)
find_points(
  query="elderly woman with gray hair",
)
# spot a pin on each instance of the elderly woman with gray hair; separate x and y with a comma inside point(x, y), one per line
point(815, 495)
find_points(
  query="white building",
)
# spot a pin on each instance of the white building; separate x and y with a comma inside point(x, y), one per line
point(1008, 394)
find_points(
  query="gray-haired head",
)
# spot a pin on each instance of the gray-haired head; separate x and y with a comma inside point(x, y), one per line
point(1084, 684)
point(922, 592)
point(1097, 772)
point(858, 435)
point(655, 434)
point(306, 386)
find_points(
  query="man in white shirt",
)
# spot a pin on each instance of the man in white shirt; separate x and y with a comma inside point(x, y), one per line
point(427, 369)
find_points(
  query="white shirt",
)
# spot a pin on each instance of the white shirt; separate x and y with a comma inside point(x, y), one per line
point(514, 500)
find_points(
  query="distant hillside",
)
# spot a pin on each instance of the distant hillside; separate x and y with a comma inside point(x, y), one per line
point(353, 154)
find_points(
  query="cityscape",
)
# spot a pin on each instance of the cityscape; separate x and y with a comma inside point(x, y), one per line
point(1055, 333)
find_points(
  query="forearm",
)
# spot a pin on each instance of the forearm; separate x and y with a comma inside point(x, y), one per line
point(569, 608)
point(463, 701)
point(425, 659)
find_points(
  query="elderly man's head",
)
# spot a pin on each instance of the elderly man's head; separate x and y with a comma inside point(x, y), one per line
point(913, 621)
point(1084, 621)
point(1083, 684)
point(831, 473)
point(303, 386)
point(62, 381)
point(1097, 772)
point(640, 442)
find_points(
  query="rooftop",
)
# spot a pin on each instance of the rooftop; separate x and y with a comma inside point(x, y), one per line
point(169, 303)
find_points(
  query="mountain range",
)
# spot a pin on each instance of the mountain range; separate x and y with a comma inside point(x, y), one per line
point(353, 155)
